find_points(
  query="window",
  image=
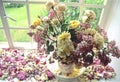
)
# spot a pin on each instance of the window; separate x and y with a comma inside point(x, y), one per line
point(95, 2)
point(1, 23)
point(18, 15)
point(2, 36)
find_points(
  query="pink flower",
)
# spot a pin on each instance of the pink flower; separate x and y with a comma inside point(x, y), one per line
point(49, 74)
point(8, 59)
point(96, 61)
point(109, 69)
point(19, 58)
point(106, 75)
point(1, 74)
point(99, 68)
point(12, 60)
point(23, 62)
point(3, 66)
point(52, 14)
point(22, 75)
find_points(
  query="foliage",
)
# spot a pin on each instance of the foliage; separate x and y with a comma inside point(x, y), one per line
point(13, 5)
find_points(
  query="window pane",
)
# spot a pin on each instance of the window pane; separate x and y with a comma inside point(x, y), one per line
point(98, 13)
point(69, 0)
point(37, 10)
point(19, 35)
point(72, 13)
point(2, 36)
point(16, 12)
point(0, 23)
point(94, 1)
point(39, 0)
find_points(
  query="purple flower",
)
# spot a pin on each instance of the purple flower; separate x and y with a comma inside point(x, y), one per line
point(109, 69)
point(19, 58)
point(1, 74)
point(23, 62)
point(49, 74)
point(96, 61)
point(12, 60)
point(106, 75)
point(3, 66)
point(22, 75)
point(8, 59)
point(85, 25)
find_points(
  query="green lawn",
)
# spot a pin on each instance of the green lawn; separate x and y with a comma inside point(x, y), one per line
point(21, 21)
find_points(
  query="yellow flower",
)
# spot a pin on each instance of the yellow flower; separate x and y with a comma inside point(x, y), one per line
point(90, 31)
point(55, 21)
point(74, 24)
point(37, 22)
point(99, 40)
point(64, 36)
point(64, 44)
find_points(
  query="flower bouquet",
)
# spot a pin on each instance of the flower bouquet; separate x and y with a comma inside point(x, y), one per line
point(73, 42)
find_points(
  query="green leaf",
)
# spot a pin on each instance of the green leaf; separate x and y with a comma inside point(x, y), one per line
point(50, 28)
point(64, 27)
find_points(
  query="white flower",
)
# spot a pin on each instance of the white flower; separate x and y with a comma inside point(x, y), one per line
point(50, 4)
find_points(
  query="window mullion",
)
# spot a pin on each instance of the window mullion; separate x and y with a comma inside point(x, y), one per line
point(28, 12)
point(81, 2)
point(5, 25)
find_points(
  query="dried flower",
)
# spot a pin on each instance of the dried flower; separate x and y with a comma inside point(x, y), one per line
point(84, 19)
point(60, 8)
point(64, 44)
point(99, 40)
point(37, 22)
point(91, 14)
point(1, 74)
point(50, 4)
point(90, 31)
point(46, 20)
point(22, 75)
point(74, 24)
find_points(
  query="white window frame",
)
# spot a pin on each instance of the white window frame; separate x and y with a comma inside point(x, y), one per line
point(106, 7)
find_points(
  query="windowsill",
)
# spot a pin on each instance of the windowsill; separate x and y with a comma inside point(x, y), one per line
point(20, 45)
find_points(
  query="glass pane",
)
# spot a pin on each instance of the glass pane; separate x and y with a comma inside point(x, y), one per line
point(2, 36)
point(0, 23)
point(98, 14)
point(37, 10)
point(39, 0)
point(19, 35)
point(16, 14)
point(94, 1)
point(72, 13)
point(69, 0)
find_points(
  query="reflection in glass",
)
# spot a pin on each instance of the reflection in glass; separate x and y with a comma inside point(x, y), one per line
point(16, 14)
point(19, 35)
point(37, 10)
point(94, 1)
point(0, 23)
point(69, 0)
point(2, 36)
